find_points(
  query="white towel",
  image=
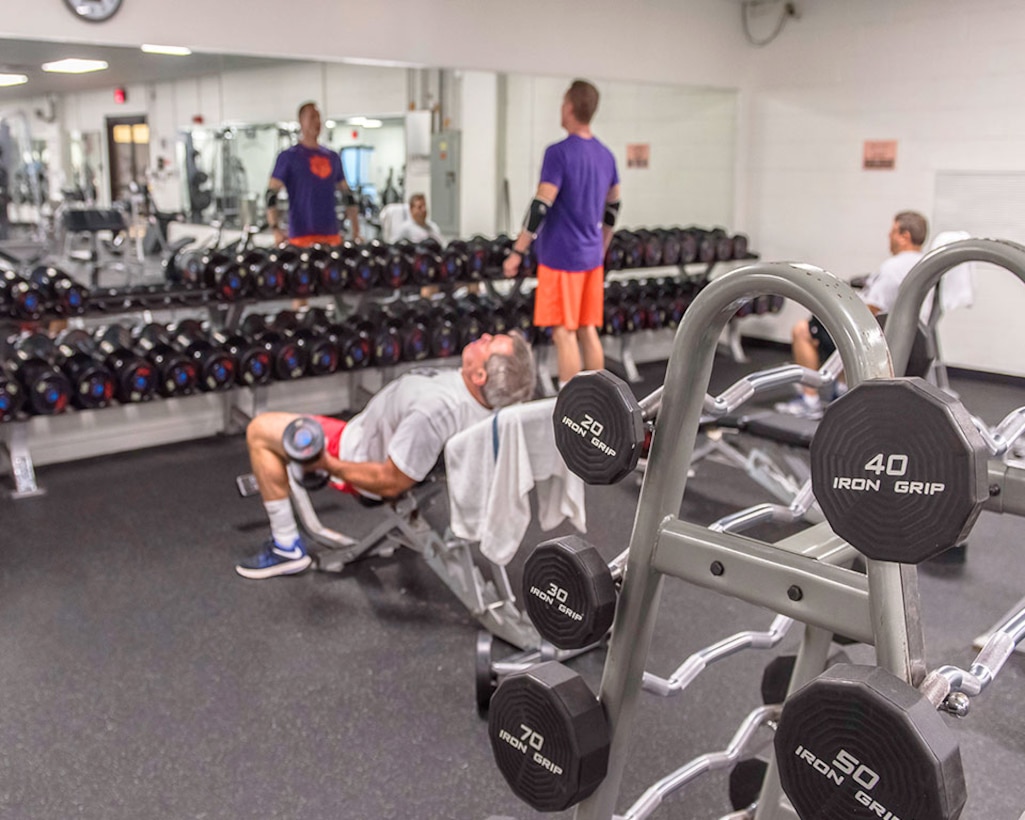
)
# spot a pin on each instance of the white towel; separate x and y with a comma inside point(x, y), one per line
point(491, 469)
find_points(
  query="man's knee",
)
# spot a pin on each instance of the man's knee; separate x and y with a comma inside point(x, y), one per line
point(265, 431)
point(801, 332)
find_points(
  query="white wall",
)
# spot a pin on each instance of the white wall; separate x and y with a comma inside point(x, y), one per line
point(678, 41)
point(478, 120)
point(691, 132)
point(943, 78)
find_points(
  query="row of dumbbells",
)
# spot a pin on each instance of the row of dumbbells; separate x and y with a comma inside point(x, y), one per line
point(42, 290)
point(332, 269)
point(644, 304)
point(647, 248)
point(44, 376)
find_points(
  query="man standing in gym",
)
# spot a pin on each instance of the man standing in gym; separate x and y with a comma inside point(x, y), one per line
point(577, 203)
point(311, 174)
point(811, 343)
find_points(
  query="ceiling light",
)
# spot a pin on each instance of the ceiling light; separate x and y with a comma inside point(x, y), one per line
point(12, 79)
point(173, 51)
point(330, 124)
point(74, 65)
point(368, 123)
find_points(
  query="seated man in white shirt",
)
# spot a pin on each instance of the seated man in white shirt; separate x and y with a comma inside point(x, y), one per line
point(418, 227)
point(811, 343)
point(391, 445)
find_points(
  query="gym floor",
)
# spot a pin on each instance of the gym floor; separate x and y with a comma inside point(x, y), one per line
point(142, 678)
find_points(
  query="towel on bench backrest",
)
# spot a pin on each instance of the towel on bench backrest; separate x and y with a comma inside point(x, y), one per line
point(491, 469)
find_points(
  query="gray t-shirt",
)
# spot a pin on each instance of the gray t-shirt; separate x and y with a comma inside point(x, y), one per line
point(410, 419)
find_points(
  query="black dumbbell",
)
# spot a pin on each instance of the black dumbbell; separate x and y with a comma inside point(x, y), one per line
point(689, 246)
point(703, 244)
point(672, 246)
point(633, 249)
point(351, 345)
point(494, 313)
point(723, 244)
point(615, 256)
point(549, 735)
point(454, 258)
point(47, 390)
point(135, 379)
point(12, 396)
point(569, 592)
point(442, 328)
point(321, 353)
point(225, 274)
point(287, 360)
point(471, 321)
point(254, 362)
point(355, 342)
point(386, 335)
point(300, 280)
point(651, 246)
point(176, 374)
point(331, 266)
point(64, 295)
point(520, 311)
point(92, 382)
point(304, 443)
point(426, 267)
point(215, 368)
point(478, 257)
point(192, 266)
point(363, 266)
point(22, 299)
point(265, 279)
point(740, 246)
point(396, 264)
point(864, 743)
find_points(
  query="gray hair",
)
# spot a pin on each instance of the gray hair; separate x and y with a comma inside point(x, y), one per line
point(511, 379)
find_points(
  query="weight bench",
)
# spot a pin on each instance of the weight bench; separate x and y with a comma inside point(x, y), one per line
point(485, 509)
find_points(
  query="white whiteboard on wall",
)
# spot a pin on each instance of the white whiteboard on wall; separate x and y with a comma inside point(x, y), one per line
point(990, 335)
point(984, 204)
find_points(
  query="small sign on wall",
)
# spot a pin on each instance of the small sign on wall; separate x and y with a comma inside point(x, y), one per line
point(879, 155)
point(638, 154)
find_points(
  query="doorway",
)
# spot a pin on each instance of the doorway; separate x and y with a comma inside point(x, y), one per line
point(128, 144)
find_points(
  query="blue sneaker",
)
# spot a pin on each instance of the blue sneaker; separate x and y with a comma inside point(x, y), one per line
point(274, 560)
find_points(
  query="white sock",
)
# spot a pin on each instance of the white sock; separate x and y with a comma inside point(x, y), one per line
point(282, 522)
point(812, 399)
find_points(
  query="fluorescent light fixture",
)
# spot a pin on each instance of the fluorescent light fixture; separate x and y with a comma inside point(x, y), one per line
point(173, 51)
point(7, 80)
point(368, 61)
point(330, 124)
point(364, 122)
point(75, 65)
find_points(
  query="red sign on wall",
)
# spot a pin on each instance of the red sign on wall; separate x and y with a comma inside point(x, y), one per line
point(879, 155)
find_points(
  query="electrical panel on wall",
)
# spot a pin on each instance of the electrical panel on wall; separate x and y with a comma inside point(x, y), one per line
point(445, 181)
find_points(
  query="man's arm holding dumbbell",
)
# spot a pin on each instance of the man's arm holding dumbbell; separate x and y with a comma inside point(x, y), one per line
point(381, 478)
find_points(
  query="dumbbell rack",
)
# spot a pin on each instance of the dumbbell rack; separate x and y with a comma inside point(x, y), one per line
point(1007, 480)
point(794, 577)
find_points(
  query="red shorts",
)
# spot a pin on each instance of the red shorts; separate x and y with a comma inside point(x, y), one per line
point(332, 439)
point(315, 239)
point(569, 299)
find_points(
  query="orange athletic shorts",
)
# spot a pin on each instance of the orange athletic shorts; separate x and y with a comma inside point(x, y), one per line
point(569, 299)
point(315, 239)
point(332, 439)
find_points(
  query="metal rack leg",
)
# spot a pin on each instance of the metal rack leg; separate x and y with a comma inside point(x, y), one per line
point(22, 470)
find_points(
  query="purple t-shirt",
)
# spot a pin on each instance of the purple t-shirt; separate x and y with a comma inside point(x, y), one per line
point(583, 170)
point(311, 177)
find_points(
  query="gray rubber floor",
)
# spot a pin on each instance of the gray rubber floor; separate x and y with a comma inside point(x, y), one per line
point(141, 678)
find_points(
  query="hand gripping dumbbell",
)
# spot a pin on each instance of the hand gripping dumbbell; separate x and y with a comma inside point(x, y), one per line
point(176, 373)
point(304, 443)
point(63, 295)
point(288, 361)
point(135, 379)
point(46, 389)
point(215, 368)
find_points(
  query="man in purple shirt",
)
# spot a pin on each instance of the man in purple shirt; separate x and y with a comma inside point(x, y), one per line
point(311, 174)
point(577, 203)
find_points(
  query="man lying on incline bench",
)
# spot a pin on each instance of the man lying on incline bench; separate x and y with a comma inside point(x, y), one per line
point(391, 445)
